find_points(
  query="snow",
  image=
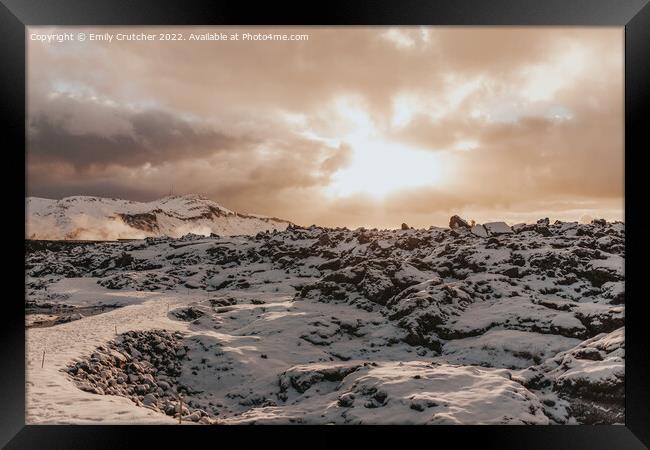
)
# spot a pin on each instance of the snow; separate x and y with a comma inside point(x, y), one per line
point(96, 218)
point(411, 392)
point(314, 325)
point(508, 348)
point(515, 313)
point(50, 395)
point(613, 263)
point(594, 372)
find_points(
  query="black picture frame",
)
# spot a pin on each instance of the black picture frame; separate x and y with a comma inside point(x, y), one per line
point(634, 15)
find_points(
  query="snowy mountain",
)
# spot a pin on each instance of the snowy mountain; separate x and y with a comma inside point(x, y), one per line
point(96, 218)
point(495, 325)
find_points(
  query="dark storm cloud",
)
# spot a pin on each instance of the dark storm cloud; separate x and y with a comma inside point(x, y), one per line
point(152, 136)
point(258, 127)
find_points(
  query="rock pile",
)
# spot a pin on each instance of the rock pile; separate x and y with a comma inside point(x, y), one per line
point(485, 295)
point(142, 366)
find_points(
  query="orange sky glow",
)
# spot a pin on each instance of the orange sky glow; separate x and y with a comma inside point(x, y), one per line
point(356, 126)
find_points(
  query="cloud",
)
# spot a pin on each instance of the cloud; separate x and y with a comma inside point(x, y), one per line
point(520, 118)
point(121, 136)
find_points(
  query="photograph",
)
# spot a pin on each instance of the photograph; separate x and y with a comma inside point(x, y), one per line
point(325, 225)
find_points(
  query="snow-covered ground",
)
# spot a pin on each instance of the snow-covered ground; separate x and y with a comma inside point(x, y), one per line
point(315, 325)
point(97, 218)
point(52, 398)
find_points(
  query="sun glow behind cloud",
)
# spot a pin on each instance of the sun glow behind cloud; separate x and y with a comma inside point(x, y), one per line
point(379, 166)
point(367, 125)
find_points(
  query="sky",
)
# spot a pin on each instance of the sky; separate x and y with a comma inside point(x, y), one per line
point(354, 126)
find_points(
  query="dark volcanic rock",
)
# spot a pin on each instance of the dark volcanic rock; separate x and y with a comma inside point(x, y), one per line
point(591, 377)
point(457, 222)
point(301, 378)
point(188, 314)
point(143, 366)
point(508, 301)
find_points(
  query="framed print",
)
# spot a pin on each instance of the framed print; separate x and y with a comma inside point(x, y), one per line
point(386, 219)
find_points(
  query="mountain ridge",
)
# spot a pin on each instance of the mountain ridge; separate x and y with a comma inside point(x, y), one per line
point(100, 218)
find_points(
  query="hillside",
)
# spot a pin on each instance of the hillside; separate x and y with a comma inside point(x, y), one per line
point(96, 218)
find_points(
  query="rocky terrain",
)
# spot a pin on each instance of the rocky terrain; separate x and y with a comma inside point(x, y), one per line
point(97, 218)
point(470, 324)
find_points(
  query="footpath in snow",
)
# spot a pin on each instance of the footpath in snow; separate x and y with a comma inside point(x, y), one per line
point(520, 325)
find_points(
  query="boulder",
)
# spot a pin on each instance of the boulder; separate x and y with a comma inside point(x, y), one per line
point(518, 227)
point(457, 222)
point(87, 387)
point(194, 417)
point(479, 230)
point(496, 228)
point(150, 400)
